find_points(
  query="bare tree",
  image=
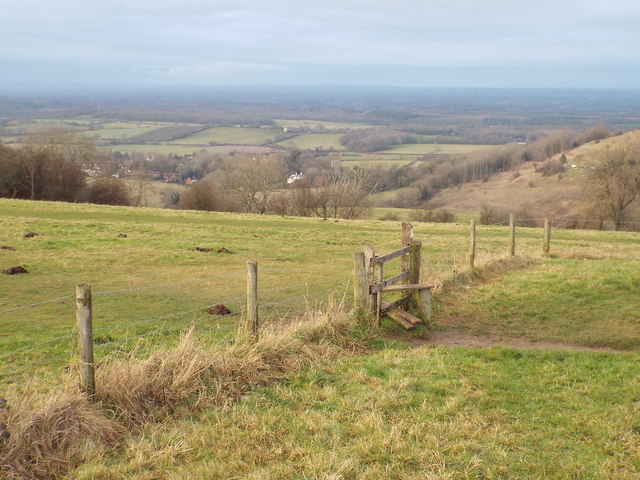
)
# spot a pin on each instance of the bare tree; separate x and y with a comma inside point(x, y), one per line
point(253, 179)
point(615, 180)
point(342, 194)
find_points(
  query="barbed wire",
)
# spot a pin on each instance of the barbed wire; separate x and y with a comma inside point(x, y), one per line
point(52, 300)
point(36, 345)
point(171, 284)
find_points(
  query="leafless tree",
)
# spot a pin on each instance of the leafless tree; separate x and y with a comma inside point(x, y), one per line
point(253, 179)
point(615, 180)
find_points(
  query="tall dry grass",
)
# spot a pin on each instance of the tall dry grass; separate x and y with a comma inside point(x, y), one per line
point(49, 436)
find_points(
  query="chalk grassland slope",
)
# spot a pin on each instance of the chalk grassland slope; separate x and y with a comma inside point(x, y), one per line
point(424, 413)
point(553, 195)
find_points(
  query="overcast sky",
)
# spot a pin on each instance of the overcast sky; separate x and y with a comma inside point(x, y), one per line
point(454, 43)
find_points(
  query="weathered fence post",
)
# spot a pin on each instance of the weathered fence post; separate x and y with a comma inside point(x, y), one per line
point(372, 299)
point(360, 292)
point(546, 245)
point(414, 272)
point(85, 339)
point(512, 234)
point(407, 235)
point(249, 329)
point(472, 246)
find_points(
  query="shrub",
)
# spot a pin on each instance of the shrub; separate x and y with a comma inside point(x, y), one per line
point(108, 191)
point(433, 216)
point(390, 217)
point(550, 167)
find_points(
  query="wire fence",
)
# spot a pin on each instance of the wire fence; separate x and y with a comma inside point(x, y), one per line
point(132, 329)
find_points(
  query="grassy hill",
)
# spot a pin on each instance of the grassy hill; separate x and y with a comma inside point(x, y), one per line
point(553, 196)
point(345, 403)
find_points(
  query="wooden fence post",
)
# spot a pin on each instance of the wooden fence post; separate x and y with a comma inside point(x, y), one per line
point(372, 299)
point(360, 292)
point(512, 234)
point(85, 339)
point(407, 235)
point(472, 246)
point(546, 245)
point(414, 271)
point(249, 330)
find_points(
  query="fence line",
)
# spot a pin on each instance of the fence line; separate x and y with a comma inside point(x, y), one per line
point(270, 309)
point(107, 330)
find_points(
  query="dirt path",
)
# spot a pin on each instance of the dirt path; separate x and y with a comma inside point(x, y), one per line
point(462, 338)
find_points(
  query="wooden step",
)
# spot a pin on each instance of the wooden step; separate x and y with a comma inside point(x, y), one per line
point(405, 319)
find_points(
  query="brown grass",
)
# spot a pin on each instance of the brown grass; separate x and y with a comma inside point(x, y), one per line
point(147, 390)
point(52, 435)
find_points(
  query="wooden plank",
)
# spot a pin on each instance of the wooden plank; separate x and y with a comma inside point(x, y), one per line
point(409, 318)
point(402, 303)
point(398, 317)
point(413, 286)
point(380, 259)
point(379, 286)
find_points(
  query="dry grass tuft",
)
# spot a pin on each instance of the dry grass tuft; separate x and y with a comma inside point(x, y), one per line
point(148, 390)
point(47, 438)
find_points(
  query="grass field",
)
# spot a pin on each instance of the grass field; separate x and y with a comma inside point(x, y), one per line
point(231, 135)
point(398, 413)
point(311, 141)
point(439, 148)
point(424, 413)
point(327, 125)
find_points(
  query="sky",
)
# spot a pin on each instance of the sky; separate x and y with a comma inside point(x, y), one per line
point(421, 43)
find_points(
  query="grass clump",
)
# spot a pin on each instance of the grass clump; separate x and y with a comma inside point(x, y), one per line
point(49, 436)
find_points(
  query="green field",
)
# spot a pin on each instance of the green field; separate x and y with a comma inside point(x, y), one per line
point(312, 141)
point(392, 413)
point(232, 136)
point(438, 148)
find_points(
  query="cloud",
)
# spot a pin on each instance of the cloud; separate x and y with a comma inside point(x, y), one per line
point(188, 39)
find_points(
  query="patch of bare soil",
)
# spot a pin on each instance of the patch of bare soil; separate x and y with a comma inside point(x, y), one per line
point(463, 338)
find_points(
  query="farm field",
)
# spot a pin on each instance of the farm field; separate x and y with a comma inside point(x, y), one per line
point(311, 141)
point(316, 123)
point(231, 135)
point(392, 412)
point(439, 148)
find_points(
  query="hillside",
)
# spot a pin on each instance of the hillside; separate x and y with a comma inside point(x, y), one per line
point(523, 187)
point(329, 398)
